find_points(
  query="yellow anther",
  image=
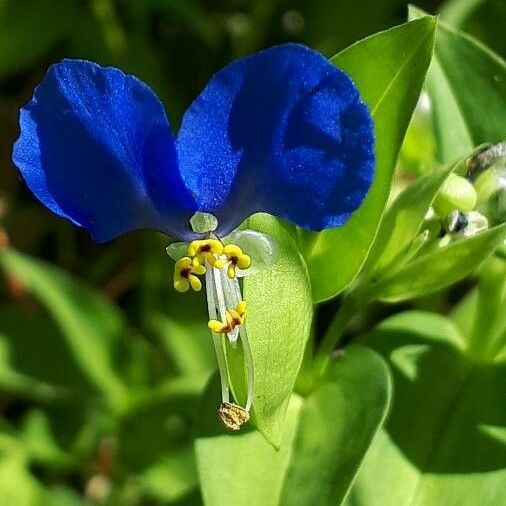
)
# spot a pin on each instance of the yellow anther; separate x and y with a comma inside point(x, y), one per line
point(234, 315)
point(234, 318)
point(205, 249)
point(217, 327)
point(220, 263)
point(185, 275)
point(235, 258)
point(241, 308)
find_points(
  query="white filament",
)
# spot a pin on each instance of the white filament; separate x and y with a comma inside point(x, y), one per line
point(222, 293)
point(217, 339)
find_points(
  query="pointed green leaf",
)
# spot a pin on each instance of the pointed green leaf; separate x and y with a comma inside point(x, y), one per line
point(337, 423)
point(389, 69)
point(444, 440)
point(402, 221)
point(467, 86)
point(89, 323)
point(440, 267)
point(278, 322)
point(17, 485)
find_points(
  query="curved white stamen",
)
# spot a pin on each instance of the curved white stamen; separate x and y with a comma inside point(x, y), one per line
point(222, 293)
point(233, 291)
point(217, 338)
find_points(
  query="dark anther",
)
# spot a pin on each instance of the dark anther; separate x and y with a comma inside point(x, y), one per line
point(185, 273)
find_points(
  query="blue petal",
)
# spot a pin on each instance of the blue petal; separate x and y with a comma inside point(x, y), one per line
point(96, 148)
point(282, 131)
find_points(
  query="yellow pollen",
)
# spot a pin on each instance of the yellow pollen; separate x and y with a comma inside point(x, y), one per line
point(205, 249)
point(185, 275)
point(234, 318)
point(235, 258)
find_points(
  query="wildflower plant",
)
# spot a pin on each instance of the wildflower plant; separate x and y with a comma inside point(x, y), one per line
point(342, 223)
point(282, 131)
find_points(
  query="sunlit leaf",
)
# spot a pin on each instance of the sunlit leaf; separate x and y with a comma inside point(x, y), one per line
point(389, 69)
point(337, 423)
point(467, 86)
point(440, 267)
point(242, 467)
point(403, 219)
point(444, 438)
point(278, 321)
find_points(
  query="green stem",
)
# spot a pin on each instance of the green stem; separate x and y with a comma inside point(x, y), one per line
point(334, 334)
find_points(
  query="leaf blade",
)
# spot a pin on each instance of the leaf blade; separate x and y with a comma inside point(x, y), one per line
point(438, 269)
point(278, 322)
point(401, 77)
point(451, 447)
point(90, 324)
point(357, 384)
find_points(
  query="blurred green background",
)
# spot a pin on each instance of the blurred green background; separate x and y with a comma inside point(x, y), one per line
point(99, 387)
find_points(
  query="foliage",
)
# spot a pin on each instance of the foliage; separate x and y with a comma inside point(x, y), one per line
point(389, 393)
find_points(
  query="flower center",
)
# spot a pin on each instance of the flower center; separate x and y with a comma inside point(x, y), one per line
point(227, 311)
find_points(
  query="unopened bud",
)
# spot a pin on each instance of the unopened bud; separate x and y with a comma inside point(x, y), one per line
point(456, 194)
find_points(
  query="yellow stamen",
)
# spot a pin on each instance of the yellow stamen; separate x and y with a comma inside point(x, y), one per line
point(205, 249)
point(231, 271)
point(235, 258)
point(234, 318)
point(195, 283)
point(241, 308)
point(216, 326)
point(232, 416)
point(185, 275)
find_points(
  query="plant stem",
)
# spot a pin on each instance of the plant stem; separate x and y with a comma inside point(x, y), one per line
point(334, 334)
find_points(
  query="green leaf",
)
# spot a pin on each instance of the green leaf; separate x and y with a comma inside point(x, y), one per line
point(188, 343)
point(487, 335)
point(403, 219)
point(337, 423)
point(242, 468)
point(444, 439)
point(331, 429)
point(89, 323)
point(172, 477)
point(61, 496)
point(389, 69)
point(24, 330)
point(17, 486)
point(40, 443)
point(467, 86)
point(278, 322)
point(483, 19)
point(463, 313)
point(439, 268)
point(18, 384)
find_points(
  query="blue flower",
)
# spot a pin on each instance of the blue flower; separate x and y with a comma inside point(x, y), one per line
point(282, 131)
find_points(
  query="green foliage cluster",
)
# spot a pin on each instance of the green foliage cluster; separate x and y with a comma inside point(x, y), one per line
point(379, 347)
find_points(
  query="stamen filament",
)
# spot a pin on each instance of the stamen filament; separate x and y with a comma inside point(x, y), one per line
point(217, 338)
point(232, 292)
point(227, 313)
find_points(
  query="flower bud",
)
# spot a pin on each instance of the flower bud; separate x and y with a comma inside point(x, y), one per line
point(491, 181)
point(456, 194)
